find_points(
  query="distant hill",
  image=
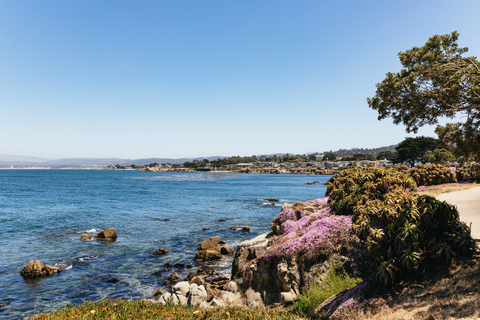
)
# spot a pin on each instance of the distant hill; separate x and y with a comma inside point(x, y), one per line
point(373, 151)
point(7, 161)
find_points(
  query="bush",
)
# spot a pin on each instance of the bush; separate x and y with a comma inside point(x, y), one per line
point(396, 232)
point(469, 172)
point(432, 174)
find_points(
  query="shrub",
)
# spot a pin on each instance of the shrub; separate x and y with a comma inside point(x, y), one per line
point(318, 234)
point(432, 174)
point(396, 233)
point(469, 172)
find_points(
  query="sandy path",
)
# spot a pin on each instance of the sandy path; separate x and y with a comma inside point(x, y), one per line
point(468, 205)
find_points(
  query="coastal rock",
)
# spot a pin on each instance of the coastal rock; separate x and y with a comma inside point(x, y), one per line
point(179, 265)
point(173, 277)
point(272, 200)
point(209, 250)
point(207, 255)
point(160, 252)
point(107, 233)
point(249, 250)
point(85, 237)
point(226, 250)
point(113, 280)
point(269, 281)
point(211, 243)
point(167, 265)
point(245, 229)
point(184, 293)
point(35, 269)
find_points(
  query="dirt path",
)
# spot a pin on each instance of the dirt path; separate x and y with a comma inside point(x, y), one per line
point(468, 205)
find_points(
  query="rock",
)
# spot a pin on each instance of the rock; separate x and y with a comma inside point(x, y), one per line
point(199, 280)
point(221, 242)
point(159, 272)
point(158, 294)
point(113, 280)
point(2, 305)
point(287, 297)
point(230, 296)
point(190, 276)
point(233, 228)
point(179, 265)
point(249, 250)
point(189, 266)
point(160, 252)
point(197, 295)
point(167, 265)
point(226, 250)
point(272, 199)
point(173, 277)
point(35, 269)
point(107, 233)
point(85, 237)
point(211, 243)
point(207, 255)
point(205, 229)
point(245, 229)
point(254, 299)
point(221, 220)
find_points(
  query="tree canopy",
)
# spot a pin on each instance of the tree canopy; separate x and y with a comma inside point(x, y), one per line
point(412, 150)
point(436, 81)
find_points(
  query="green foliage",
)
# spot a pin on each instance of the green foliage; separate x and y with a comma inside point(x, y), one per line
point(432, 174)
point(439, 156)
point(396, 232)
point(469, 172)
point(412, 150)
point(330, 156)
point(436, 81)
point(464, 140)
point(357, 186)
point(388, 155)
point(321, 290)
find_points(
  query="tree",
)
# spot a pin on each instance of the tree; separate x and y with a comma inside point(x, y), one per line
point(385, 155)
point(435, 81)
point(440, 156)
point(463, 140)
point(412, 150)
point(330, 156)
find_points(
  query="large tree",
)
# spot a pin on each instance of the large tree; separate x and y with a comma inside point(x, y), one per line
point(436, 81)
point(412, 150)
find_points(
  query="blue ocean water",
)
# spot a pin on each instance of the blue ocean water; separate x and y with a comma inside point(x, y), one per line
point(43, 214)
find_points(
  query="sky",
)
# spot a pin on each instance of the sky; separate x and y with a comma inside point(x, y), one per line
point(172, 79)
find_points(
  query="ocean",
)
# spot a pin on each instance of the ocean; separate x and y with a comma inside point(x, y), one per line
point(43, 214)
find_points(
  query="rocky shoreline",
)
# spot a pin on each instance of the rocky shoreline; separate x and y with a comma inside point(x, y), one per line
point(305, 171)
point(262, 272)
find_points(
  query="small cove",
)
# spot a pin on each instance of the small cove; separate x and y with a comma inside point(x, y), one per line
point(43, 213)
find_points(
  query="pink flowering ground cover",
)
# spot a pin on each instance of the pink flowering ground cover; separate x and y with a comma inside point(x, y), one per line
point(320, 233)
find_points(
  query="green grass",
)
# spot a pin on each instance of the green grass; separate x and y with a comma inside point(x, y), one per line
point(320, 291)
point(123, 309)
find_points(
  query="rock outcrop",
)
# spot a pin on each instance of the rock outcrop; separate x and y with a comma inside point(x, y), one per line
point(277, 267)
point(160, 252)
point(211, 250)
point(185, 293)
point(36, 269)
point(106, 234)
point(85, 237)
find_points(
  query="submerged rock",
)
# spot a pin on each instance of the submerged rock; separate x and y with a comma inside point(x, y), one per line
point(35, 269)
point(85, 237)
point(113, 280)
point(160, 252)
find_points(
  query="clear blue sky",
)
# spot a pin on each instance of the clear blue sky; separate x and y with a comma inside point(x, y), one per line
point(137, 79)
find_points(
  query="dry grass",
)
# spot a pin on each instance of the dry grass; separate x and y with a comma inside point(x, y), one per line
point(455, 295)
point(445, 188)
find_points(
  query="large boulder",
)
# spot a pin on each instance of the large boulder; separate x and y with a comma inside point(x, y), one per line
point(211, 243)
point(35, 269)
point(249, 250)
point(107, 234)
point(184, 293)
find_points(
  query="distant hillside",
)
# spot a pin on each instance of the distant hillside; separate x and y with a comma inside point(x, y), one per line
point(373, 151)
point(7, 161)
